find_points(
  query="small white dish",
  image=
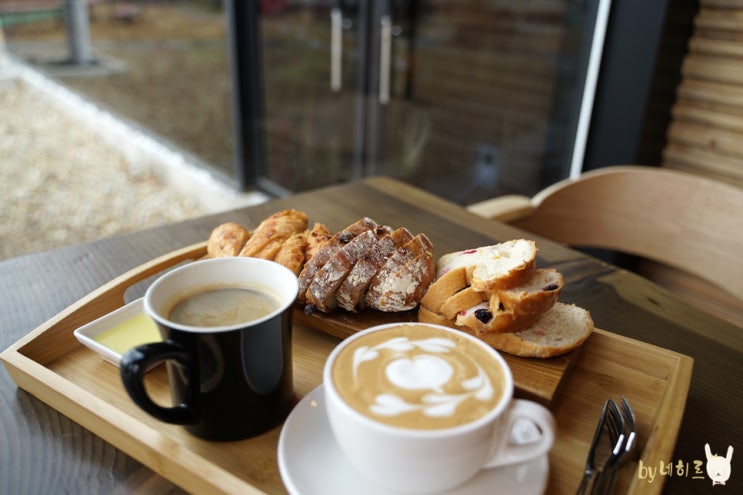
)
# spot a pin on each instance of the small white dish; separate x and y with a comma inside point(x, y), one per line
point(310, 462)
point(90, 334)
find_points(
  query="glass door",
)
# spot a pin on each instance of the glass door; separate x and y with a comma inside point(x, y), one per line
point(485, 97)
point(312, 59)
point(466, 98)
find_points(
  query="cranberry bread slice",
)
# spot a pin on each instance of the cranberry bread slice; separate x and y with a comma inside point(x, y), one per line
point(352, 291)
point(482, 319)
point(425, 315)
point(327, 250)
point(443, 287)
point(461, 301)
point(499, 266)
point(560, 330)
point(536, 296)
point(324, 286)
point(403, 279)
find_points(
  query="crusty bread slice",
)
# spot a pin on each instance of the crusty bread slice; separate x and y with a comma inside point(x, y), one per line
point(403, 290)
point(558, 331)
point(327, 250)
point(407, 273)
point(482, 319)
point(351, 293)
point(324, 286)
point(499, 266)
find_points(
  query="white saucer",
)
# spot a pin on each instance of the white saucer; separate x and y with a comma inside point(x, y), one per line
point(311, 462)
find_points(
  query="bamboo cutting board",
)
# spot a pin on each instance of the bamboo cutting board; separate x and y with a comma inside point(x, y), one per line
point(50, 364)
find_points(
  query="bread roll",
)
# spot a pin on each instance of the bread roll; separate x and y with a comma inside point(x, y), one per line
point(227, 239)
point(292, 252)
point(273, 232)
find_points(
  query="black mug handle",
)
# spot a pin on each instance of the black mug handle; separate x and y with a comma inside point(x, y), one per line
point(137, 361)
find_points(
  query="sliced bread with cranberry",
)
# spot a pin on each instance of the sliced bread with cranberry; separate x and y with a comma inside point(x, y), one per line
point(499, 266)
point(561, 329)
point(535, 296)
point(443, 287)
point(461, 301)
point(425, 315)
point(482, 319)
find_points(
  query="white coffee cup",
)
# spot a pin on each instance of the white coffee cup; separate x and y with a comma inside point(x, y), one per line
point(419, 376)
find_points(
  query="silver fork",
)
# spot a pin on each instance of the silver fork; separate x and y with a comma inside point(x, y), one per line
point(596, 462)
point(604, 484)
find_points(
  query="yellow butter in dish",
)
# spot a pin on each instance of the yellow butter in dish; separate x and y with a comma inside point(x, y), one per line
point(117, 332)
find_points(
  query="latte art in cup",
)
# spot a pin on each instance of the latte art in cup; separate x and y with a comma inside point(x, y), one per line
point(418, 377)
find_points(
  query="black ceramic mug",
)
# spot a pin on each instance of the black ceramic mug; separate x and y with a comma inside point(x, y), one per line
point(229, 379)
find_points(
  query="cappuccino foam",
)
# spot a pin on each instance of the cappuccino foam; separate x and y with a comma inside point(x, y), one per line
point(419, 377)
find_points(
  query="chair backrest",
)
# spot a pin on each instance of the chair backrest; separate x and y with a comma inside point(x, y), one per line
point(686, 221)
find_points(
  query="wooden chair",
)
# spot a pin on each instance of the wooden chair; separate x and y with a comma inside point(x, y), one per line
point(689, 228)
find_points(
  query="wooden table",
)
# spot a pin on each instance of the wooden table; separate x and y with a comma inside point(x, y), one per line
point(45, 452)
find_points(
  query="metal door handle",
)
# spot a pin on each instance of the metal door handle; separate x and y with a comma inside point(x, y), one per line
point(336, 48)
point(385, 55)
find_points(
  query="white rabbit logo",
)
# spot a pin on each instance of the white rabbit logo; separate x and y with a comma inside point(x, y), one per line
point(718, 467)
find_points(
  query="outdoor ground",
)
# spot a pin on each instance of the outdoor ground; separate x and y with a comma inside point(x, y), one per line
point(166, 70)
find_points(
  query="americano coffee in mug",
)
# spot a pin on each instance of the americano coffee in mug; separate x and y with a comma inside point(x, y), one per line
point(226, 329)
point(421, 408)
point(223, 306)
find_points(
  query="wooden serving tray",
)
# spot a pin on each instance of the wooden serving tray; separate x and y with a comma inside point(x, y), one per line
point(52, 365)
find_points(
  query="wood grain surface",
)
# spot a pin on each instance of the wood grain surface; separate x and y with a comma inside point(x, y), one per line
point(38, 287)
point(704, 135)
